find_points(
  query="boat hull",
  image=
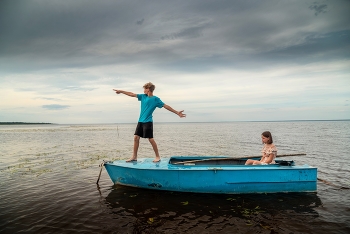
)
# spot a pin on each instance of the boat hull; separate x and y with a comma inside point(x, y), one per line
point(211, 178)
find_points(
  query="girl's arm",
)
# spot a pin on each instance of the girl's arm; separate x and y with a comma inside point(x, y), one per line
point(269, 158)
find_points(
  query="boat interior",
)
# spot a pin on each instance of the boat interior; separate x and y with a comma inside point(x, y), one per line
point(203, 161)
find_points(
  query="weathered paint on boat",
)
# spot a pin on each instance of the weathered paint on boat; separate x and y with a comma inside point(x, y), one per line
point(213, 176)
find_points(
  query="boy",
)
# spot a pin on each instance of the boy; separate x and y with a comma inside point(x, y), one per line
point(144, 127)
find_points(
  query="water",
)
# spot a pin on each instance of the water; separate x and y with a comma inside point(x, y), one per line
point(48, 179)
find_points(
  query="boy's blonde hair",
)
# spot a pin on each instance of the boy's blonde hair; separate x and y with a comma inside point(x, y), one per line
point(149, 86)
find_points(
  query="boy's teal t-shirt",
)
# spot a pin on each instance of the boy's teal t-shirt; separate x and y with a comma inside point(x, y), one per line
point(148, 105)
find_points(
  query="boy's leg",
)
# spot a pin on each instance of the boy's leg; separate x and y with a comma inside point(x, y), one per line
point(136, 148)
point(138, 133)
point(155, 148)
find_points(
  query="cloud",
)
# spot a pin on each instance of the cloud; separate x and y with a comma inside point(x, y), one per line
point(55, 107)
point(76, 88)
point(53, 35)
point(191, 32)
point(140, 22)
point(49, 99)
point(318, 8)
point(227, 56)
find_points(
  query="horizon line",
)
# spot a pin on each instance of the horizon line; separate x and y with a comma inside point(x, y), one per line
point(232, 121)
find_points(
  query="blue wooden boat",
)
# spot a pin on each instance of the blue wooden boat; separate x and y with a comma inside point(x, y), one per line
point(204, 174)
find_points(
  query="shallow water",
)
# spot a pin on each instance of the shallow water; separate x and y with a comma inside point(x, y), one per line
point(48, 178)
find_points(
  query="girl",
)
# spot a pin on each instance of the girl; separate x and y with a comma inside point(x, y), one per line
point(269, 151)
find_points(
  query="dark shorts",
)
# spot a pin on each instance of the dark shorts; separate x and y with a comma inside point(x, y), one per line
point(144, 130)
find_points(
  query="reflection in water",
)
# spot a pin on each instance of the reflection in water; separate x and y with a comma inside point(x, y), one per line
point(160, 211)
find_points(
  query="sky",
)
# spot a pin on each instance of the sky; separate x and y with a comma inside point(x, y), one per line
point(218, 60)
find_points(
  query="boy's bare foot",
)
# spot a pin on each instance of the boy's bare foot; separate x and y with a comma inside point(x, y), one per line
point(131, 160)
point(156, 160)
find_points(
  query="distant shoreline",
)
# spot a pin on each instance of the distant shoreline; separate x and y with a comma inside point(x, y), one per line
point(19, 123)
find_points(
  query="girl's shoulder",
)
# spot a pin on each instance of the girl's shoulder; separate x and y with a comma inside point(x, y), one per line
point(273, 146)
point(270, 146)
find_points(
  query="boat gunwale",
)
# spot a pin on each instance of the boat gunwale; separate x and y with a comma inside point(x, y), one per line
point(149, 165)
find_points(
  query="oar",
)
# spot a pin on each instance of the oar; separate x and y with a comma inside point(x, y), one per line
point(231, 158)
point(331, 184)
point(101, 165)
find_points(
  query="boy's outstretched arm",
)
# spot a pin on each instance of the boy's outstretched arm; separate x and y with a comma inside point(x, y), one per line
point(179, 113)
point(117, 91)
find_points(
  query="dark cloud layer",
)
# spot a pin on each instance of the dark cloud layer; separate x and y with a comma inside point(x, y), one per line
point(38, 34)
